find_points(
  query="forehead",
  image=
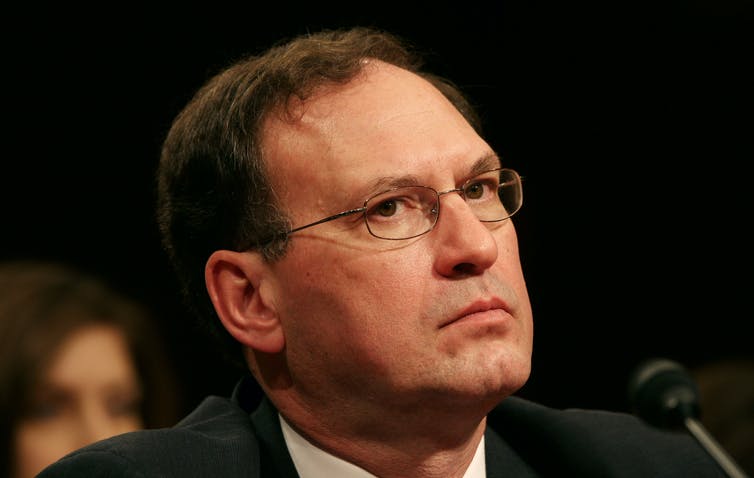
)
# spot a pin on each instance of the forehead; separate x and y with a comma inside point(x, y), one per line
point(387, 122)
point(91, 352)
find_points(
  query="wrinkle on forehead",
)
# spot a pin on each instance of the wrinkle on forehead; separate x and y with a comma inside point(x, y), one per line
point(386, 121)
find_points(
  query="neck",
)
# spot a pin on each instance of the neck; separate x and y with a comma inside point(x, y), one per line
point(390, 443)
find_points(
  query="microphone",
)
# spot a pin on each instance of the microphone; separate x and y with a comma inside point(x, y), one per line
point(664, 394)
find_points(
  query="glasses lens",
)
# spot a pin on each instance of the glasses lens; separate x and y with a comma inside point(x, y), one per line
point(402, 213)
point(510, 191)
point(494, 195)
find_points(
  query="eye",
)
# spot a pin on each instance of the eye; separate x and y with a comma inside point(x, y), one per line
point(44, 410)
point(128, 406)
point(393, 203)
point(483, 187)
point(47, 405)
point(399, 204)
point(474, 190)
point(386, 208)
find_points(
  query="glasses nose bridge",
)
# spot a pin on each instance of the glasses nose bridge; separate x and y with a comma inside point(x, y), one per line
point(440, 194)
point(454, 190)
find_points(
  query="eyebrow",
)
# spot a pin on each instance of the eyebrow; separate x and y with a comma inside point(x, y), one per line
point(485, 163)
point(388, 182)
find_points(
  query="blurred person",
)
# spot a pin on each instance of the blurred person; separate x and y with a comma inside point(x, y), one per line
point(337, 218)
point(79, 362)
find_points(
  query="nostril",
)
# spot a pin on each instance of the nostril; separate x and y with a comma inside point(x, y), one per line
point(464, 268)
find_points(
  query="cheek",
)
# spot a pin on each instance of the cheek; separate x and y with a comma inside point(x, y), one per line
point(390, 296)
point(346, 279)
point(354, 302)
point(37, 445)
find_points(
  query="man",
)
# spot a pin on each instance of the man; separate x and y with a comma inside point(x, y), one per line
point(352, 229)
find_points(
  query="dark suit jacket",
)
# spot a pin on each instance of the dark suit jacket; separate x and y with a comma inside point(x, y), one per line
point(224, 438)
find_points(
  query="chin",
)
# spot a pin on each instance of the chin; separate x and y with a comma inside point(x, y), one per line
point(503, 376)
point(487, 386)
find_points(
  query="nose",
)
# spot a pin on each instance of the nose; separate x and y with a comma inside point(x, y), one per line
point(466, 245)
point(97, 423)
point(95, 428)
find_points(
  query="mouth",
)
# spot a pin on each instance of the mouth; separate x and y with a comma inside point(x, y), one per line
point(484, 310)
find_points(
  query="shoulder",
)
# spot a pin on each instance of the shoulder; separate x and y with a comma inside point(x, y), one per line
point(217, 437)
point(597, 442)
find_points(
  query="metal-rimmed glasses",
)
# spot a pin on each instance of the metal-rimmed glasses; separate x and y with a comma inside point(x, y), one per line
point(410, 211)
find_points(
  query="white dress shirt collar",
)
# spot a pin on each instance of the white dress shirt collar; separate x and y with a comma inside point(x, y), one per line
point(313, 462)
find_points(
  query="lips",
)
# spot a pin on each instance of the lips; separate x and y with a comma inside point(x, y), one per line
point(478, 306)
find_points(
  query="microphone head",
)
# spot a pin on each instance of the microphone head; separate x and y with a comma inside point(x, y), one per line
point(663, 393)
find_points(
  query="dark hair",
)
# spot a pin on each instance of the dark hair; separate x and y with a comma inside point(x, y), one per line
point(213, 188)
point(41, 304)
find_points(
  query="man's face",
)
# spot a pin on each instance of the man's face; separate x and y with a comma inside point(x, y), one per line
point(443, 318)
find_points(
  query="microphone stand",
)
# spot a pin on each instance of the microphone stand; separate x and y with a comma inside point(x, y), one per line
point(717, 452)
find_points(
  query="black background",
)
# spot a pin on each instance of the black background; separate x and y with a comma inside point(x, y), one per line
point(631, 123)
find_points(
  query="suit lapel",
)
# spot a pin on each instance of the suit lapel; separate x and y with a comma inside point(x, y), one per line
point(500, 459)
point(275, 461)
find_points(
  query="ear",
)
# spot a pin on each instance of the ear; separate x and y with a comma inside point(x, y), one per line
point(236, 282)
